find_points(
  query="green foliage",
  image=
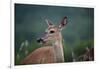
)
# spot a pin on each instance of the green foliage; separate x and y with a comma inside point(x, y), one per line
point(80, 47)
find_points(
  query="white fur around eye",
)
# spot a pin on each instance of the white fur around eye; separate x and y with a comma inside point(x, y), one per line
point(52, 29)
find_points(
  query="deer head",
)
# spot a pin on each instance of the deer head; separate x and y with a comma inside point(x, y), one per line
point(53, 33)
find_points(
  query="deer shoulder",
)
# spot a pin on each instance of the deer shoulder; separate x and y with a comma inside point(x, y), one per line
point(40, 55)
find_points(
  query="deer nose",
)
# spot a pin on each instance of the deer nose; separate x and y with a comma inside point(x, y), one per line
point(39, 40)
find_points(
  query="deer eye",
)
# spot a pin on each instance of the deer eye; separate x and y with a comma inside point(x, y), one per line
point(52, 32)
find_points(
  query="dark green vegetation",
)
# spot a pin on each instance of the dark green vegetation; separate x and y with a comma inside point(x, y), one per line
point(30, 24)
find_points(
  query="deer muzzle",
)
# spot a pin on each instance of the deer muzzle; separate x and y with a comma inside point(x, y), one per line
point(40, 40)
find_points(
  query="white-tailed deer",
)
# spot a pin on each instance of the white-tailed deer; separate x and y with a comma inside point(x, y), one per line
point(52, 50)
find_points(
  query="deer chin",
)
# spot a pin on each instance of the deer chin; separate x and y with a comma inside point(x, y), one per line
point(47, 43)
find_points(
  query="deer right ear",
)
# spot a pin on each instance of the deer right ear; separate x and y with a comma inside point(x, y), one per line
point(49, 23)
point(63, 23)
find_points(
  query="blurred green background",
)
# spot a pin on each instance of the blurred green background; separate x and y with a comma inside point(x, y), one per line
point(30, 24)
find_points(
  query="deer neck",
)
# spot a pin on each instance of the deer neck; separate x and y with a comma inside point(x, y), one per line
point(58, 48)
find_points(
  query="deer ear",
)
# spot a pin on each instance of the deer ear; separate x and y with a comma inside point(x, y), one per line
point(63, 23)
point(49, 23)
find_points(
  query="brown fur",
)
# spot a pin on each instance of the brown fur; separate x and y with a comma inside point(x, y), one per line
point(40, 55)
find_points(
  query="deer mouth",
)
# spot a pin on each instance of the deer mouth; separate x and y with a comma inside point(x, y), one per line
point(41, 40)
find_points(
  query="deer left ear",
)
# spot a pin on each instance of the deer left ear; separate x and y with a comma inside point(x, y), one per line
point(49, 23)
point(63, 23)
